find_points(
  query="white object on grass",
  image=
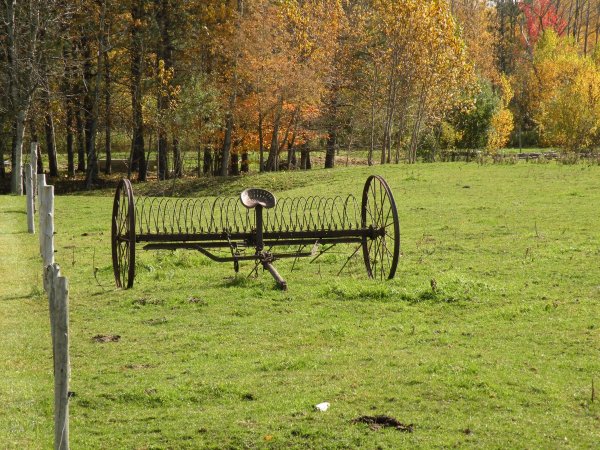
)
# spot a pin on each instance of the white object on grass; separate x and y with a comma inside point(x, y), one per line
point(322, 406)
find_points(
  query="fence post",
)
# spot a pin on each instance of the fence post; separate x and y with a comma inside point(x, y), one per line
point(41, 179)
point(33, 161)
point(47, 197)
point(29, 198)
point(58, 299)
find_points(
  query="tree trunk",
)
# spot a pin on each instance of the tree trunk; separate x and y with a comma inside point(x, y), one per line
point(261, 143)
point(34, 138)
point(414, 139)
point(587, 29)
point(20, 101)
point(90, 103)
point(245, 162)
point(305, 163)
point(16, 186)
point(291, 156)
point(40, 163)
point(138, 162)
point(208, 159)
point(332, 131)
point(177, 159)
point(80, 139)
point(217, 160)
point(107, 115)
point(2, 147)
point(67, 91)
point(50, 138)
point(330, 152)
point(391, 100)
point(225, 152)
point(234, 169)
point(372, 130)
point(272, 160)
point(163, 160)
point(164, 56)
point(48, 119)
point(69, 126)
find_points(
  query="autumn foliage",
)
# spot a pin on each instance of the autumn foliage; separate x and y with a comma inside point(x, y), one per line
point(284, 84)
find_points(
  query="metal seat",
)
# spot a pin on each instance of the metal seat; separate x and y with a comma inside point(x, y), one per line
point(253, 197)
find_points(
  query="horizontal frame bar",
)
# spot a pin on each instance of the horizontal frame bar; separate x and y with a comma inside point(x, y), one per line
point(267, 235)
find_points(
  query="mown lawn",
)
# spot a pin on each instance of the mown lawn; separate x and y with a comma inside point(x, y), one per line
point(502, 355)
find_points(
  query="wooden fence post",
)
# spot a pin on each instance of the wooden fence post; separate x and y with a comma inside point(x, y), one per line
point(33, 161)
point(58, 299)
point(41, 179)
point(29, 198)
point(47, 196)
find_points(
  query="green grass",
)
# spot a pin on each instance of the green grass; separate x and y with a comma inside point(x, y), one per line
point(502, 355)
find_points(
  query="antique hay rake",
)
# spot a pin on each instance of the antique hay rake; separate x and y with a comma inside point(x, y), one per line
point(227, 223)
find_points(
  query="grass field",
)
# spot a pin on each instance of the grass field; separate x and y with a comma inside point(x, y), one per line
point(502, 355)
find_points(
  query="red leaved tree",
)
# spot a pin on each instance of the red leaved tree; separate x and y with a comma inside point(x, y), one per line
point(541, 15)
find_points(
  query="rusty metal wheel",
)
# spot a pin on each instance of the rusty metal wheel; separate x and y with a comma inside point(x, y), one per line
point(378, 213)
point(123, 235)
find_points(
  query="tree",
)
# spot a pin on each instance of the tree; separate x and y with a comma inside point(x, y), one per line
point(138, 158)
point(22, 23)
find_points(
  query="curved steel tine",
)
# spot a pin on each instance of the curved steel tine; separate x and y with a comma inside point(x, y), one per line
point(309, 212)
point(337, 221)
point(179, 206)
point(210, 220)
point(230, 216)
point(302, 205)
point(269, 218)
point(156, 214)
point(205, 216)
point(294, 214)
point(309, 221)
point(235, 217)
point(201, 215)
point(357, 214)
point(279, 217)
point(212, 213)
point(347, 223)
point(320, 213)
point(341, 213)
point(147, 211)
point(146, 214)
point(139, 210)
point(160, 213)
point(329, 204)
point(165, 215)
point(188, 210)
point(305, 219)
point(327, 211)
point(172, 214)
point(192, 216)
point(289, 219)
point(225, 215)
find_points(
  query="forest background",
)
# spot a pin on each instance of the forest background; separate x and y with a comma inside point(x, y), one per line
point(263, 84)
